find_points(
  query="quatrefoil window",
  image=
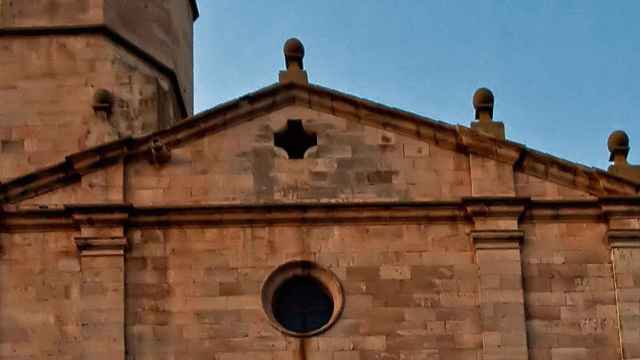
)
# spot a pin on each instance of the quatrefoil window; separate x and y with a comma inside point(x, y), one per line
point(294, 139)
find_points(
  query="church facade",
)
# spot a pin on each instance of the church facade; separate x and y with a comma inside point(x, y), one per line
point(295, 222)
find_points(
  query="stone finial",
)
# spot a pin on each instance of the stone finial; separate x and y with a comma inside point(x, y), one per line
point(293, 58)
point(103, 101)
point(483, 102)
point(618, 144)
point(294, 53)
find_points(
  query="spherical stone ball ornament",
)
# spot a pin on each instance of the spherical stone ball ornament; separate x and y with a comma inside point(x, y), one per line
point(302, 299)
point(294, 52)
point(483, 98)
point(293, 47)
point(618, 140)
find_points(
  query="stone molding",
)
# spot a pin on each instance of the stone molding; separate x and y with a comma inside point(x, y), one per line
point(623, 238)
point(49, 218)
point(623, 218)
point(272, 98)
point(101, 229)
point(620, 206)
point(496, 207)
point(495, 214)
point(101, 246)
point(505, 239)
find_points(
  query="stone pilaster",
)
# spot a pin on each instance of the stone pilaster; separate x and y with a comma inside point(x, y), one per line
point(102, 244)
point(625, 256)
point(497, 242)
point(623, 237)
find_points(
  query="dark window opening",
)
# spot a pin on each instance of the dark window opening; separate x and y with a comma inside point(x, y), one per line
point(302, 304)
point(295, 140)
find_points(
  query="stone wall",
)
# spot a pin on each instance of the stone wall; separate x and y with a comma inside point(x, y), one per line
point(162, 29)
point(40, 297)
point(411, 291)
point(352, 162)
point(47, 88)
point(570, 300)
point(441, 254)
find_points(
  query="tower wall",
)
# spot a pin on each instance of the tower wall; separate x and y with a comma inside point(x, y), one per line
point(55, 54)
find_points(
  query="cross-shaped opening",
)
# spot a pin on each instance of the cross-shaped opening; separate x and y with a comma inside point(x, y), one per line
point(295, 140)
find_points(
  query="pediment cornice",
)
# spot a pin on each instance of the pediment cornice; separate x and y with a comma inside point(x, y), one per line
point(275, 97)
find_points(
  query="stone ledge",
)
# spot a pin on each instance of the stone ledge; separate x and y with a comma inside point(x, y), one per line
point(46, 218)
point(101, 246)
point(498, 206)
point(501, 239)
point(623, 239)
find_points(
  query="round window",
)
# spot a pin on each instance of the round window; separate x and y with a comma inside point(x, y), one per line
point(302, 299)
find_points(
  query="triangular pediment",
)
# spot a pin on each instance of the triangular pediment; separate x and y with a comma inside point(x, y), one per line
point(437, 149)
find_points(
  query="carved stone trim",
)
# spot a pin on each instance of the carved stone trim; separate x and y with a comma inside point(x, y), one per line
point(623, 238)
point(307, 269)
point(500, 239)
point(620, 206)
point(498, 207)
point(49, 218)
point(101, 246)
point(101, 228)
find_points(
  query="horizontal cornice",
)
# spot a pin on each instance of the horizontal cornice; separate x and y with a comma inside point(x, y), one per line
point(31, 218)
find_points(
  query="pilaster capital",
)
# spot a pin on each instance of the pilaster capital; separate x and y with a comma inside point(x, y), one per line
point(101, 246)
point(495, 213)
point(622, 215)
point(497, 239)
point(620, 206)
point(623, 238)
point(102, 228)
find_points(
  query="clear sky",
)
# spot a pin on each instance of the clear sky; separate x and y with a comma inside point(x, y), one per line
point(565, 73)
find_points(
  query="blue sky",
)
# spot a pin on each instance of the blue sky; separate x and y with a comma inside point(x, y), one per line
point(565, 73)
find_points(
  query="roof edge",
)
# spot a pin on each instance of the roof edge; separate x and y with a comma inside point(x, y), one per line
point(194, 9)
point(274, 97)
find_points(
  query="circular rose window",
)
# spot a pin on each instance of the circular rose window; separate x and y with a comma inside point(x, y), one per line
point(302, 299)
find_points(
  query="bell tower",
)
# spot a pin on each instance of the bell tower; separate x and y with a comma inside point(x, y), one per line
point(79, 73)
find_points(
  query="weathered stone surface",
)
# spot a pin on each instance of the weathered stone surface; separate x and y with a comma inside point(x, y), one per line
point(448, 245)
point(163, 29)
point(351, 162)
point(206, 281)
point(569, 291)
point(47, 86)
